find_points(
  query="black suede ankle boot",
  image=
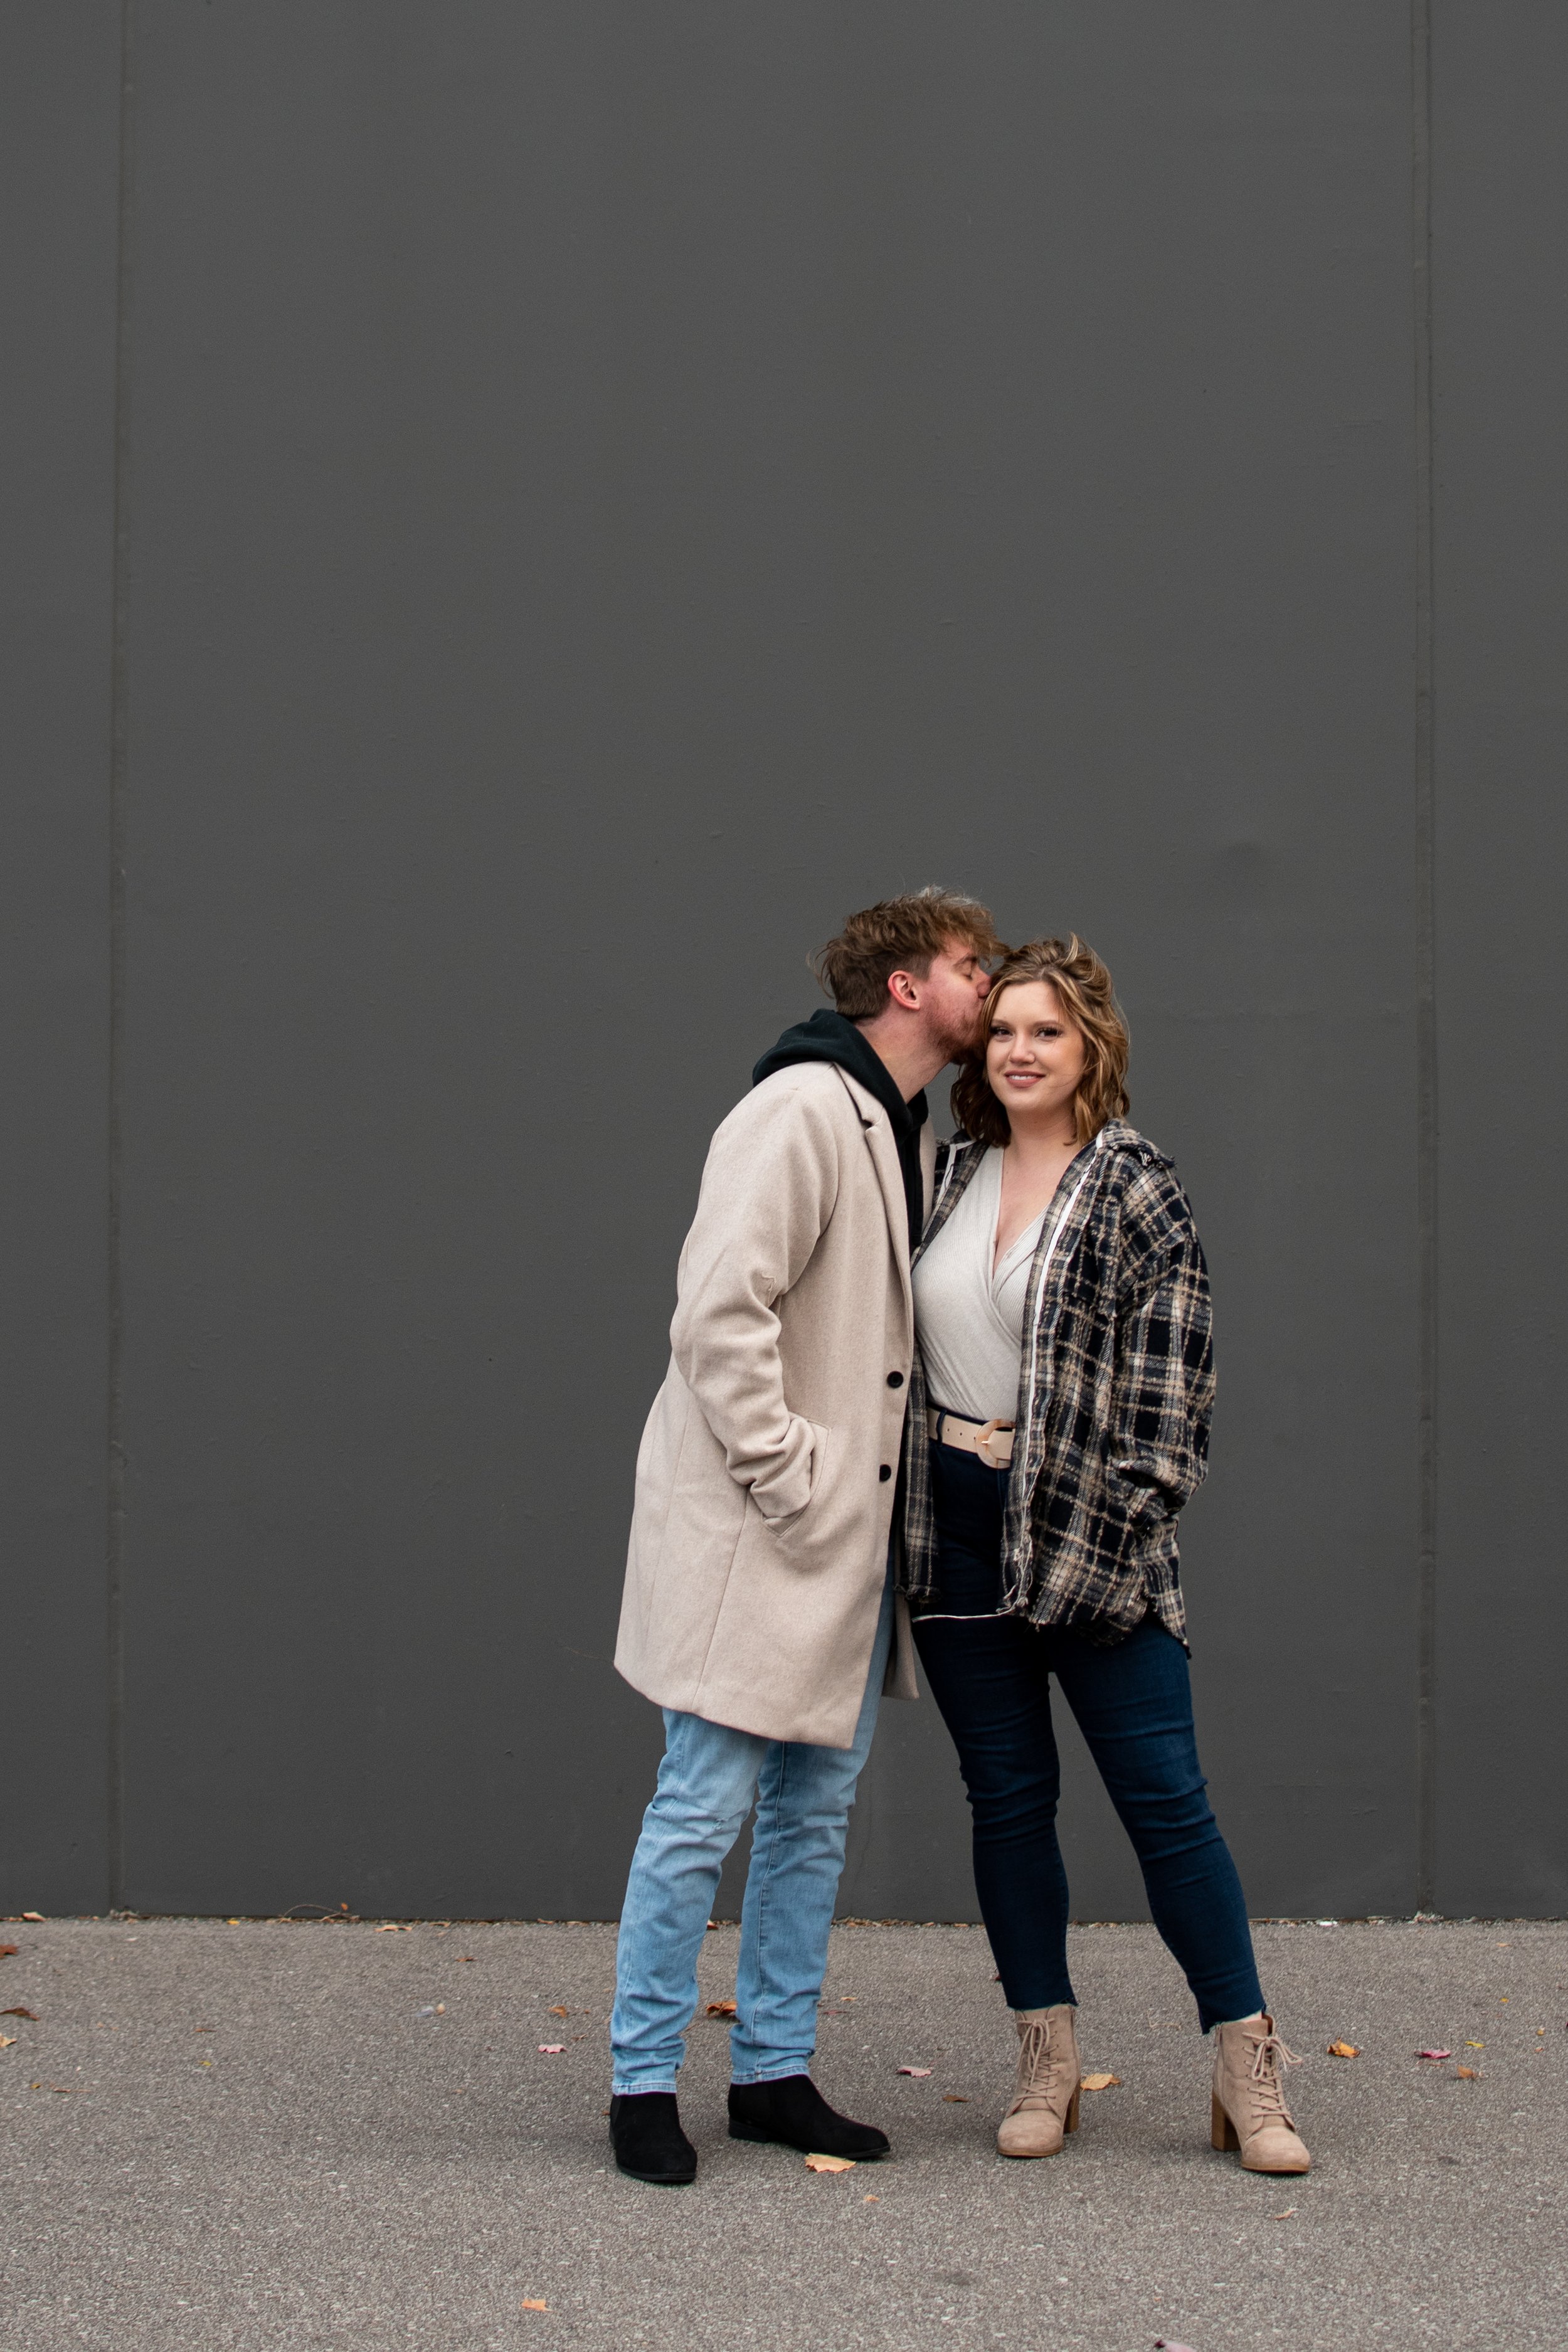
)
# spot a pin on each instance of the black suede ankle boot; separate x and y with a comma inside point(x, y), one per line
point(794, 2112)
point(645, 2134)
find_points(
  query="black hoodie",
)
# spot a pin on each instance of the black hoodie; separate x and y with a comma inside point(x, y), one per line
point(831, 1038)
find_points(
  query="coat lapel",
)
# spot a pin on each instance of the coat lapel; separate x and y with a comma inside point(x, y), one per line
point(878, 1133)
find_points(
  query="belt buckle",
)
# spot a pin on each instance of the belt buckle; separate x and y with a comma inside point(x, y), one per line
point(982, 1437)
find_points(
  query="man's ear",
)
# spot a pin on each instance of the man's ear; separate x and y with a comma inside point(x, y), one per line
point(904, 990)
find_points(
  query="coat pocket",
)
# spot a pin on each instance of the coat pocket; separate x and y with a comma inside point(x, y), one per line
point(821, 1445)
point(831, 1533)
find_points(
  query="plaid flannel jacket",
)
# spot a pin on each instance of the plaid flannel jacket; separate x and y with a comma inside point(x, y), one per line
point(1115, 1395)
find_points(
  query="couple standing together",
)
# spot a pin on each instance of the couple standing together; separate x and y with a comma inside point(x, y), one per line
point(946, 1399)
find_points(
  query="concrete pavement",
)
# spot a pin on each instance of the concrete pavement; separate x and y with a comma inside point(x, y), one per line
point(265, 2135)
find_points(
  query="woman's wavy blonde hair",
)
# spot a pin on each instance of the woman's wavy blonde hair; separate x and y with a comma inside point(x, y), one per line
point(1088, 998)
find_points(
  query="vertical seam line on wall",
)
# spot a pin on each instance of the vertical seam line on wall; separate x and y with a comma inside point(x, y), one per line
point(119, 742)
point(1426, 951)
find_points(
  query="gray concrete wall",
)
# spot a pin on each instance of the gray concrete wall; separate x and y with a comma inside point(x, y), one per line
point(59, 172)
point(1501, 362)
point(601, 492)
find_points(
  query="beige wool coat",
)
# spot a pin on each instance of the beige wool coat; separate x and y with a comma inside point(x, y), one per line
point(769, 1463)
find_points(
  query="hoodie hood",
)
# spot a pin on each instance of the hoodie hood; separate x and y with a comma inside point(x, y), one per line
point(830, 1037)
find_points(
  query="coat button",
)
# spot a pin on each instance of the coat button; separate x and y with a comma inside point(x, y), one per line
point(885, 1472)
point(895, 1380)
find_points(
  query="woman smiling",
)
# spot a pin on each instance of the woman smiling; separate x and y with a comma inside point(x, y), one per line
point(1058, 1420)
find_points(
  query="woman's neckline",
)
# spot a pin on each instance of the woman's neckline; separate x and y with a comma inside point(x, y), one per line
point(1036, 1224)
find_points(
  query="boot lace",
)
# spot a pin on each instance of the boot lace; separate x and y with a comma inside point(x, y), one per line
point(1268, 2074)
point(1038, 2067)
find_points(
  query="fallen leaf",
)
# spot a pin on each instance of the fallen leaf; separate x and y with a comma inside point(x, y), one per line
point(204, 2028)
point(872, 2199)
point(1344, 2049)
point(65, 2090)
point(32, 1915)
point(721, 2009)
point(551, 2049)
point(1475, 2045)
point(1467, 2074)
point(830, 2164)
point(1434, 2053)
point(556, 2010)
point(6, 2040)
point(389, 1930)
point(465, 1960)
point(956, 2098)
point(440, 2009)
point(20, 2012)
point(920, 2073)
point(533, 2302)
point(233, 1923)
point(1099, 2082)
point(1285, 2216)
point(6, 1950)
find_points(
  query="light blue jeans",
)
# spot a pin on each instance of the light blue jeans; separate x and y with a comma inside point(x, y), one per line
point(709, 1780)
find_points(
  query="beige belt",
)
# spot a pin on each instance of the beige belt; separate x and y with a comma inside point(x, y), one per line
point(992, 1440)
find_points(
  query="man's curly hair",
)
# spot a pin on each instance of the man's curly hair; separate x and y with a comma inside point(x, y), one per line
point(898, 935)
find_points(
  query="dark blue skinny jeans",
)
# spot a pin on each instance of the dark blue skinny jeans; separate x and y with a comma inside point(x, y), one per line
point(991, 1678)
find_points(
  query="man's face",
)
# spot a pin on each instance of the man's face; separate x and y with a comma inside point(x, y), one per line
point(952, 995)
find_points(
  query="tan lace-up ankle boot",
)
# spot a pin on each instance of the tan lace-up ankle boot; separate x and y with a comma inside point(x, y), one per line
point(1045, 2100)
point(1247, 2109)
